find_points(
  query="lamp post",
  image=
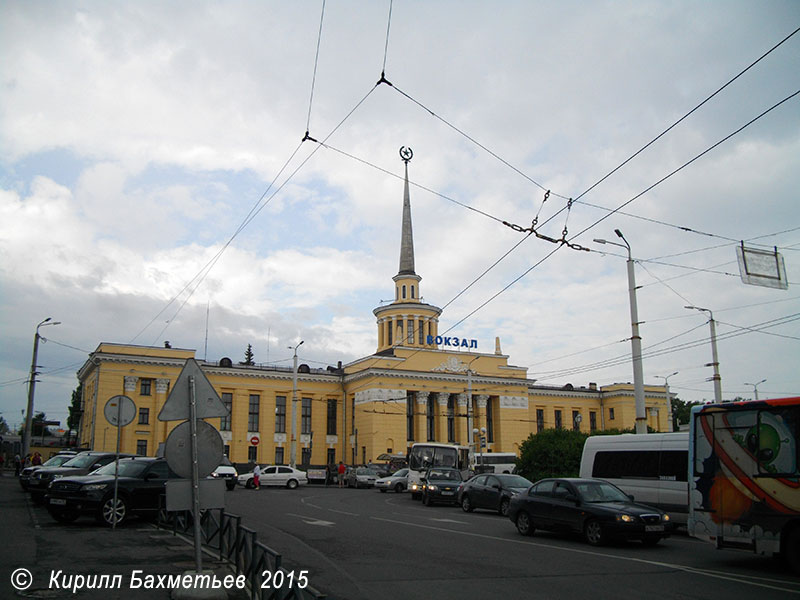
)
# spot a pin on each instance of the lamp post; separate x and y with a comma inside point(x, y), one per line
point(293, 452)
point(470, 431)
point(714, 357)
point(670, 426)
point(755, 388)
point(32, 387)
point(636, 340)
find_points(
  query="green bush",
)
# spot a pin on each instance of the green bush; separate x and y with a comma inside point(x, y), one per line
point(551, 453)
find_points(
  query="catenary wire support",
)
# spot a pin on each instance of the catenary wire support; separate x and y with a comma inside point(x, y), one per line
point(562, 240)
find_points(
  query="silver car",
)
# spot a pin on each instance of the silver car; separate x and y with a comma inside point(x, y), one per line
point(398, 482)
point(361, 477)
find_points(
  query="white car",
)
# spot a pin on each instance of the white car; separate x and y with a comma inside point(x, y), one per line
point(275, 475)
point(397, 482)
point(227, 472)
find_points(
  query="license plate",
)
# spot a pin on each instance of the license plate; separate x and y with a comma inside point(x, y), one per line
point(58, 501)
point(447, 493)
point(654, 528)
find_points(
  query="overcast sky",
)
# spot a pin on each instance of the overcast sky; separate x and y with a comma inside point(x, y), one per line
point(137, 137)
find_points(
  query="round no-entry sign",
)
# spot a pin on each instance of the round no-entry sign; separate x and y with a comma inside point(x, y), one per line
point(254, 440)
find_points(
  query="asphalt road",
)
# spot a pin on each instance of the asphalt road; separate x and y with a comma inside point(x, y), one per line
point(359, 544)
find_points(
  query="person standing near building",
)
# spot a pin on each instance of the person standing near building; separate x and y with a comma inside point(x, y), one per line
point(257, 477)
point(36, 461)
point(17, 465)
point(340, 472)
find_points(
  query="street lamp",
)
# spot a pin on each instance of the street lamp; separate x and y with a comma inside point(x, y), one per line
point(293, 453)
point(636, 340)
point(714, 357)
point(470, 431)
point(755, 388)
point(481, 436)
point(32, 386)
point(670, 426)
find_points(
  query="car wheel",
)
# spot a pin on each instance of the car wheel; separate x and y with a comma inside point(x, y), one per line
point(249, 485)
point(109, 511)
point(651, 540)
point(291, 484)
point(503, 510)
point(524, 523)
point(593, 532)
point(466, 505)
point(65, 516)
point(398, 488)
point(231, 485)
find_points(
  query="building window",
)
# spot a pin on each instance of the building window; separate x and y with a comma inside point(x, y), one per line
point(280, 414)
point(144, 416)
point(451, 419)
point(331, 456)
point(331, 416)
point(576, 420)
point(430, 419)
point(146, 386)
point(305, 456)
point(389, 333)
point(404, 292)
point(252, 415)
point(592, 420)
point(610, 414)
point(410, 329)
point(141, 447)
point(278, 456)
point(490, 421)
point(421, 331)
point(559, 424)
point(353, 415)
point(412, 291)
point(399, 332)
point(305, 416)
point(252, 453)
point(226, 450)
point(227, 401)
point(410, 403)
point(363, 455)
point(539, 420)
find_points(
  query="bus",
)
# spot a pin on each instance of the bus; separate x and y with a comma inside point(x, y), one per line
point(423, 455)
point(652, 467)
point(744, 485)
point(495, 462)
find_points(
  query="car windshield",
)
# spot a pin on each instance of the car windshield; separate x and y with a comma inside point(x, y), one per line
point(600, 491)
point(515, 481)
point(80, 462)
point(427, 456)
point(127, 468)
point(444, 474)
point(401, 473)
point(366, 472)
point(57, 461)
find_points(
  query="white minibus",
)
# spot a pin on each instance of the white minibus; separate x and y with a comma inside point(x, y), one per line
point(652, 467)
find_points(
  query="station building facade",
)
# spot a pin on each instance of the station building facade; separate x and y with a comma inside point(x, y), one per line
point(417, 386)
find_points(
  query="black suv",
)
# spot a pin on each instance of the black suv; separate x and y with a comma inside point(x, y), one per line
point(54, 461)
point(140, 483)
point(82, 464)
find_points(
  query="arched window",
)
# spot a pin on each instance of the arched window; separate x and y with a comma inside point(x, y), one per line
point(412, 292)
point(404, 292)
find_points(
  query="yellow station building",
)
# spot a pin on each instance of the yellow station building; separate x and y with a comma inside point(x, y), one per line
point(417, 386)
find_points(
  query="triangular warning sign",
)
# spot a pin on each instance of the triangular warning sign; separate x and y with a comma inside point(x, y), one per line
point(207, 401)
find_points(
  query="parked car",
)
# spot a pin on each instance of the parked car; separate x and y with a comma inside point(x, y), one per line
point(596, 508)
point(361, 477)
point(440, 486)
point(80, 464)
point(140, 484)
point(397, 482)
point(54, 461)
point(492, 491)
point(226, 471)
point(381, 469)
point(275, 475)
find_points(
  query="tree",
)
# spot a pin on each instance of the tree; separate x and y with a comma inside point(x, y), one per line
point(4, 426)
point(680, 412)
point(552, 453)
point(37, 429)
point(248, 356)
point(75, 410)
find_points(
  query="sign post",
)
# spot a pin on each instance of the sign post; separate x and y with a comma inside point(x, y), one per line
point(119, 411)
point(193, 398)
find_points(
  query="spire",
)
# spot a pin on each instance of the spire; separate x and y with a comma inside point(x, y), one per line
point(407, 235)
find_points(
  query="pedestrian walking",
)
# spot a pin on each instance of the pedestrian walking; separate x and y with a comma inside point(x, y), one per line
point(257, 477)
point(340, 472)
point(17, 465)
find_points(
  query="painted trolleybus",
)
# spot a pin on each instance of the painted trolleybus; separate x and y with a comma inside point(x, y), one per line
point(744, 486)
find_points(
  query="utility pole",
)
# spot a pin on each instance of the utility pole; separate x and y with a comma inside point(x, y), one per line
point(717, 379)
point(293, 453)
point(670, 426)
point(26, 447)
